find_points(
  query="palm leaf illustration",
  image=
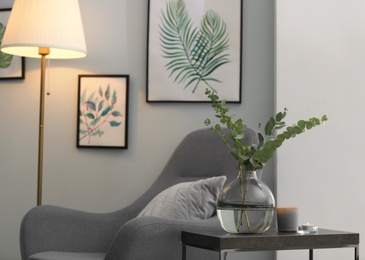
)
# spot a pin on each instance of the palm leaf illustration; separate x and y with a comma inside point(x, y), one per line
point(193, 53)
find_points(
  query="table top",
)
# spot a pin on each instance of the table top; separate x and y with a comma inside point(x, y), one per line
point(270, 240)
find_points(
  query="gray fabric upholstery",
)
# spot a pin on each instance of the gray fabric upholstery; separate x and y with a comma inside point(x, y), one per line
point(187, 200)
point(51, 231)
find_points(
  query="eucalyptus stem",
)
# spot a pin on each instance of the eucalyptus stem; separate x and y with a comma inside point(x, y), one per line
point(239, 221)
point(244, 202)
point(243, 199)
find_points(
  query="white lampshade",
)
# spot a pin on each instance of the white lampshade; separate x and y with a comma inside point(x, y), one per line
point(53, 24)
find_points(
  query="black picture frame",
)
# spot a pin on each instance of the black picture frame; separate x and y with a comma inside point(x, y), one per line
point(171, 75)
point(102, 111)
point(11, 66)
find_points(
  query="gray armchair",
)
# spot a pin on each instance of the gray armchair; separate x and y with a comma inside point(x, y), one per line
point(55, 233)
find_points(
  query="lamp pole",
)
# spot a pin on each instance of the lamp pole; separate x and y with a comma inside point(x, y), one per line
point(43, 52)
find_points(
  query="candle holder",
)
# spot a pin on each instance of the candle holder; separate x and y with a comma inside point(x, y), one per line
point(287, 219)
point(307, 229)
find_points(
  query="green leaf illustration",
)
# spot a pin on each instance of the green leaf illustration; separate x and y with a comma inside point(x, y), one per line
point(83, 96)
point(115, 123)
point(91, 120)
point(96, 133)
point(106, 111)
point(91, 105)
point(116, 113)
point(89, 115)
point(94, 122)
point(100, 133)
point(91, 96)
point(5, 59)
point(107, 93)
point(100, 107)
point(193, 53)
point(100, 91)
point(114, 98)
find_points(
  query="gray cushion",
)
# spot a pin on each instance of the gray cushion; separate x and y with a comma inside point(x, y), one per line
point(67, 255)
point(187, 200)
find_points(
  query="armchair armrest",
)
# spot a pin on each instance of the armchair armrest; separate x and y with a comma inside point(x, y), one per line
point(155, 238)
point(50, 228)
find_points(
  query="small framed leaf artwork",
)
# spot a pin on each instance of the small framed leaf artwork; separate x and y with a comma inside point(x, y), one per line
point(103, 111)
point(11, 67)
point(194, 45)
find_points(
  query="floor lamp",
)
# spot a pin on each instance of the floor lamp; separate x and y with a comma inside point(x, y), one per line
point(40, 29)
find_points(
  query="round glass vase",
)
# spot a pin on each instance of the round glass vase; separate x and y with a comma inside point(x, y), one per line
point(246, 205)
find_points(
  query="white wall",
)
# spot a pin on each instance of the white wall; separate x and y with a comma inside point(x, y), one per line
point(106, 180)
point(320, 70)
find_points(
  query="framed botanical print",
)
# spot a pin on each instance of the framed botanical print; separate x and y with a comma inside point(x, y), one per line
point(194, 45)
point(11, 67)
point(102, 111)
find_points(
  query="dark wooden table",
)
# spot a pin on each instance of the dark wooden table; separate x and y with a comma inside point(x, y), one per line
point(224, 243)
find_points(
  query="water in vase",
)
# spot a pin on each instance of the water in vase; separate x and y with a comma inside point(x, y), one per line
point(245, 218)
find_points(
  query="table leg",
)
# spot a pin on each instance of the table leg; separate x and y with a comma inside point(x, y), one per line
point(310, 254)
point(222, 255)
point(183, 251)
point(357, 257)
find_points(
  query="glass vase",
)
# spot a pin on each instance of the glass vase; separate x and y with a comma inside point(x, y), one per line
point(246, 205)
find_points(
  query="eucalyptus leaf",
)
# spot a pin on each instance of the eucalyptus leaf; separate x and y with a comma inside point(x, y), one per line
point(279, 116)
point(269, 126)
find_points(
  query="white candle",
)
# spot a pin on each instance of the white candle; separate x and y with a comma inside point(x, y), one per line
point(308, 227)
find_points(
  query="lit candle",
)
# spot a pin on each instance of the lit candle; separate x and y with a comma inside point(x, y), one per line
point(307, 227)
point(287, 219)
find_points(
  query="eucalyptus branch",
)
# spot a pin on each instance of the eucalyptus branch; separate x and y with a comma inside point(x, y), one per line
point(255, 156)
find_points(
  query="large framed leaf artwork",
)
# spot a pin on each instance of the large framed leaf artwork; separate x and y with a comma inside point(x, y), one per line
point(103, 111)
point(11, 67)
point(194, 45)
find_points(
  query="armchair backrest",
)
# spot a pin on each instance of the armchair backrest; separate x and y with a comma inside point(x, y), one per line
point(201, 154)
